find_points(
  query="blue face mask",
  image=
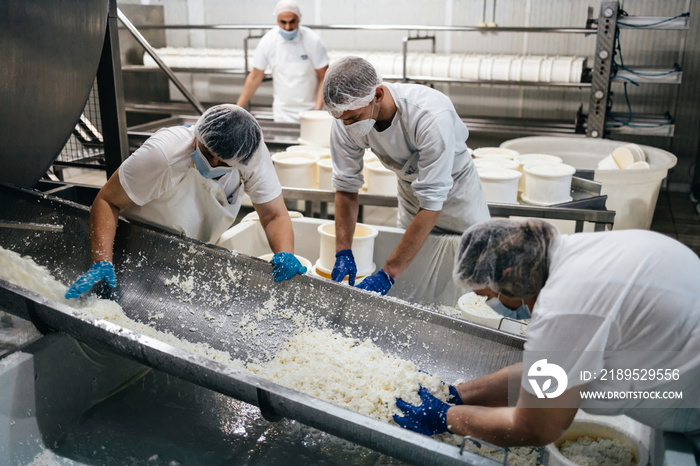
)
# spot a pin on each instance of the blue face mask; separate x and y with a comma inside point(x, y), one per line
point(289, 35)
point(206, 170)
point(522, 312)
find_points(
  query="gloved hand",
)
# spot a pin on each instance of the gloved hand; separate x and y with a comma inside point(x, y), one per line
point(285, 266)
point(454, 398)
point(430, 418)
point(344, 266)
point(379, 282)
point(97, 272)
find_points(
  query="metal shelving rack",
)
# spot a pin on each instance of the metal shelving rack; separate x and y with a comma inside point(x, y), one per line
point(598, 123)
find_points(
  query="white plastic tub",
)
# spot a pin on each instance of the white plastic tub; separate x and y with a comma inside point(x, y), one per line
point(380, 180)
point(315, 128)
point(547, 184)
point(632, 194)
point(596, 430)
point(494, 153)
point(325, 174)
point(362, 248)
point(296, 169)
point(318, 150)
point(531, 159)
point(500, 185)
point(496, 163)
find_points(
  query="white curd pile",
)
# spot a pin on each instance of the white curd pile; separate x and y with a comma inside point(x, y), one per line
point(588, 451)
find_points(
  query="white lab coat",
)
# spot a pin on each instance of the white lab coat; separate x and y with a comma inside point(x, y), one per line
point(293, 64)
point(622, 300)
point(170, 193)
point(426, 147)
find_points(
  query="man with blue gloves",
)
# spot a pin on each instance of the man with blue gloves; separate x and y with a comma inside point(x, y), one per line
point(617, 302)
point(190, 181)
point(415, 132)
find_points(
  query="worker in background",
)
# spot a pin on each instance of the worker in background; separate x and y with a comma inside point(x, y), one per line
point(189, 180)
point(298, 60)
point(607, 309)
point(416, 132)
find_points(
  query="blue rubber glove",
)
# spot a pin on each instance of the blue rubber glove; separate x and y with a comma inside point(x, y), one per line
point(379, 282)
point(454, 399)
point(285, 266)
point(430, 418)
point(344, 266)
point(98, 272)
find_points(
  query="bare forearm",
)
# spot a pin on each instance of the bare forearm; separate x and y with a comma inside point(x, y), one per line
point(346, 210)
point(277, 225)
point(321, 74)
point(252, 82)
point(494, 425)
point(411, 242)
point(103, 227)
point(280, 235)
point(492, 389)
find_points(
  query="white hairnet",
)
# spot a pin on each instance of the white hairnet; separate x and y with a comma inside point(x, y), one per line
point(350, 83)
point(229, 132)
point(488, 248)
point(287, 6)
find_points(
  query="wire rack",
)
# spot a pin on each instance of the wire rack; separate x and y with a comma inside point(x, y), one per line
point(85, 147)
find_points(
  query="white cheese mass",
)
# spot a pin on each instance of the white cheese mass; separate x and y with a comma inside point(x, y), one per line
point(317, 361)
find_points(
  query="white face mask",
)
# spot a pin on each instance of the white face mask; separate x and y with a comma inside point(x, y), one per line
point(363, 127)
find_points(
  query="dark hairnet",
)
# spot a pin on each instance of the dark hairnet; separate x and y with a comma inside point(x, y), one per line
point(488, 248)
point(229, 132)
point(350, 83)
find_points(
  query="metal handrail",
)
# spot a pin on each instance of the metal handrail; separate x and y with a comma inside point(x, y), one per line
point(144, 43)
point(380, 27)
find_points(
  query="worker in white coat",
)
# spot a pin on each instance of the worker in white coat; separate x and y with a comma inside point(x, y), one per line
point(416, 132)
point(298, 60)
point(190, 181)
point(615, 329)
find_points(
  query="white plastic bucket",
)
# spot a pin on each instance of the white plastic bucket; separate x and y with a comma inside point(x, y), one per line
point(525, 159)
point(546, 69)
point(362, 248)
point(315, 128)
point(531, 68)
point(477, 312)
point(470, 66)
point(296, 169)
point(561, 69)
point(500, 185)
point(441, 66)
point(318, 150)
point(327, 274)
point(380, 180)
point(547, 184)
point(516, 68)
point(632, 194)
point(595, 430)
point(494, 152)
point(496, 163)
point(576, 70)
point(325, 174)
point(486, 68)
point(607, 163)
point(455, 69)
point(501, 68)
